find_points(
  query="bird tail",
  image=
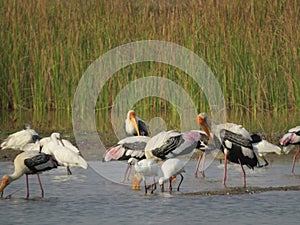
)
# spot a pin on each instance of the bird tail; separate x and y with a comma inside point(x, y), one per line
point(266, 147)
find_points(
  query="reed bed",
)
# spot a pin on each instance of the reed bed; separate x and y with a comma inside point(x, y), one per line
point(252, 47)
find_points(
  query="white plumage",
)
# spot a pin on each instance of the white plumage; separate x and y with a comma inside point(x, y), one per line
point(135, 126)
point(65, 156)
point(289, 140)
point(171, 168)
point(233, 140)
point(170, 144)
point(129, 147)
point(21, 138)
point(32, 162)
point(145, 168)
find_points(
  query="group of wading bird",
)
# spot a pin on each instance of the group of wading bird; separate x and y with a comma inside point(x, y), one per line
point(150, 156)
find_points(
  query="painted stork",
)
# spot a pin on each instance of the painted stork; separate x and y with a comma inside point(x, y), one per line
point(145, 168)
point(135, 126)
point(21, 138)
point(233, 140)
point(129, 147)
point(289, 140)
point(171, 168)
point(170, 144)
point(32, 162)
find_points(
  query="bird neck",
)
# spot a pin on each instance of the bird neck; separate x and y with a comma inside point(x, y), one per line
point(14, 176)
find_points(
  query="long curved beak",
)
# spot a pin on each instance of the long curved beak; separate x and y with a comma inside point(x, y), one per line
point(134, 123)
point(203, 125)
point(60, 139)
point(3, 185)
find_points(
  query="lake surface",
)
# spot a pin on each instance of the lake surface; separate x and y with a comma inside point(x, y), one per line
point(86, 197)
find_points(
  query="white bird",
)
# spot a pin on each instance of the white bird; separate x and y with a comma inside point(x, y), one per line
point(170, 144)
point(145, 168)
point(63, 142)
point(135, 126)
point(233, 140)
point(19, 139)
point(32, 162)
point(32, 146)
point(65, 156)
point(129, 147)
point(289, 140)
point(263, 147)
point(171, 168)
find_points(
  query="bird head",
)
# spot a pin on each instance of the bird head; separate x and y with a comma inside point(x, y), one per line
point(132, 118)
point(132, 161)
point(203, 121)
point(5, 181)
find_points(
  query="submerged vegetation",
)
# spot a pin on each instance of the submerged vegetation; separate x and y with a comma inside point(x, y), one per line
point(252, 47)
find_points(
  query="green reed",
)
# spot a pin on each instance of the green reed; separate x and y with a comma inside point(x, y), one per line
point(251, 46)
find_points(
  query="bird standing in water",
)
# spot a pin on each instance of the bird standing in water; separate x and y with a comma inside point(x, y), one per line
point(31, 162)
point(289, 140)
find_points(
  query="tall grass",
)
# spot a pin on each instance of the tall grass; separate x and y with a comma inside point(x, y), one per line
point(251, 46)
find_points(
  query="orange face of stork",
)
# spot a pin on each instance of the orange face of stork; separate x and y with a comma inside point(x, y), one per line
point(203, 123)
point(133, 122)
point(4, 183)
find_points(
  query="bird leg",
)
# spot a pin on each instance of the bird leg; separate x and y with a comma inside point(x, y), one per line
point(27, 187)
point(225, 170)
point(145, 186)
point(170, 184)
point(197, 166)
point(180, 182)
point(265, 160)
point(294, 159)
point(244, 174)
point(127, 173)
point(69, 171)
point(153, 186)
point(203, 163)
point(42, 190)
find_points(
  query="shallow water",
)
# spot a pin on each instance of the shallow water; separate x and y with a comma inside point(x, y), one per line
point(87, 198)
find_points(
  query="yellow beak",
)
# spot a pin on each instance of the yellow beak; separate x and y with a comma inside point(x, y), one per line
point(134, 123)
point(203, 125)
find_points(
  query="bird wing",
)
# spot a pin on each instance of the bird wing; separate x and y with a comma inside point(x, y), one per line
point(40, 162)
point(142, 125)
point(295, 130)
point(17, 140)
point(237, 139)
point(264, 146)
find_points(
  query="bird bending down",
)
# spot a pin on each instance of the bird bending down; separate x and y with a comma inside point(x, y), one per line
point(21, 138)
point(129, 147)
point(233, 140)
point(65, 156)
point(170, 144)
point(145, 168)
point(32, 162)
point(135, 126)
point(289, 140)
point(171, 168)
point(263, 147)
